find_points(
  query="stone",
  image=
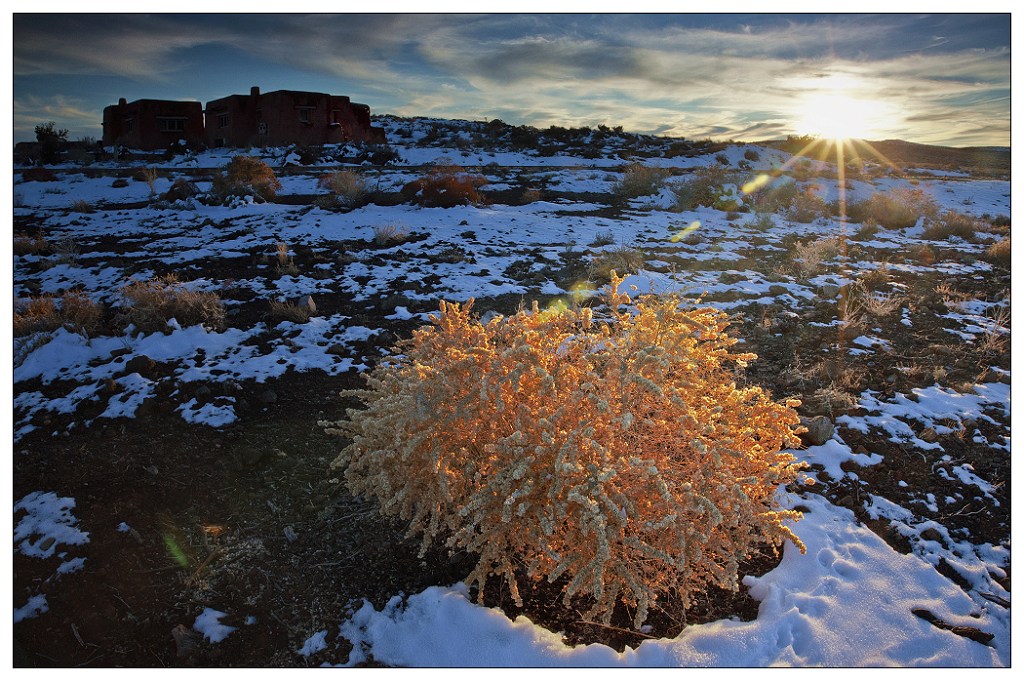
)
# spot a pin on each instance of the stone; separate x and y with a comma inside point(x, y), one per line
point(267, 396)
point(819, 430)
point(140, 364)
point(828, 291)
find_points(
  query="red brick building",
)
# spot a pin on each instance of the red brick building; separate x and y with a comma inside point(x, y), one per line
point(286, 117)
point(153, 124)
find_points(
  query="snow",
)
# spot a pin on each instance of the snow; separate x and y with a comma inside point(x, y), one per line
point(208, 624)
point(845, 603)
point(47, 524)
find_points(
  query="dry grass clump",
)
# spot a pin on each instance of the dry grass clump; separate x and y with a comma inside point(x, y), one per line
point(807, 206)
point(616, 453)
point(638, 180)
point(73, 311)
point(29, 245)
point(390, 234)
point(622, 258)
point(704, 188)
point(150, 305)
point(246, 176)
point(896, 209)
point(809, 257)
point(82, 206)
point(951, 224)
point(348, 188)
point(38, 174)
point(285, 311)
point(444, 186)
point(999, 253)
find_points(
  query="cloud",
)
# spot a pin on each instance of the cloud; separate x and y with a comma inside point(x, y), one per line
point(692, 75)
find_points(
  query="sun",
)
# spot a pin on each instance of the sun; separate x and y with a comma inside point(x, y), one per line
point(835, 108)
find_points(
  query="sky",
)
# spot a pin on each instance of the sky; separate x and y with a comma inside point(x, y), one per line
point(936, 79)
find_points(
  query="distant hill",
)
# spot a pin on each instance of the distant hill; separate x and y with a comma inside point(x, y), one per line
point(986, 161)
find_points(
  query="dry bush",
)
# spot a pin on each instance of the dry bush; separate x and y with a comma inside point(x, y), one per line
point(622, 258)
point(390, 234)
point(246, 176)
point(774, 196)
point(348, 188)
point(638, 180)
point(617, 454)
point(284, 264)
point(951, 224)
point(29, 245)
point(444, 186)
point(808, 258)
point(999, 253)
point(73, 311)
point(82, 206)
point(704, 188)
point(181, 190)
point(807, 206)
point(149, 305)
point(284, 311)
point(895, 209)
point(38, 174)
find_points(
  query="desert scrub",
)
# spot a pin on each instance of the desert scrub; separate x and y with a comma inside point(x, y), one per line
point(807, 206)
point(390, 234)
point(999, 253)
point(616, 453)
point(809, 257)
point(246, 176)
point(347, 188)
point(638, 180)
point(622, 258)
point(896, 209)
point(445, 185)
point(150, 305)
point(73, 311)
point(703, 189)
point(949, 224)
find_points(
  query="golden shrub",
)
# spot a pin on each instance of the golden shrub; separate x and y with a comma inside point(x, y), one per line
point(246, 175)
point(616, 452)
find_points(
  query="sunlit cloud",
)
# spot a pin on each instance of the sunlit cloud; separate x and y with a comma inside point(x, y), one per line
point(692, 76)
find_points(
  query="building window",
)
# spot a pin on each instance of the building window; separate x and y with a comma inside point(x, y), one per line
point(129, 125)
point(171, 124)
point(304, 112)
point(223, 120)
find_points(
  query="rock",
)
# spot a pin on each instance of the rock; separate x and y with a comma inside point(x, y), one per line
point(819, 430)
point(267, 396)
point(828, 291)
point(309, 304)
point(185, 639)
point(336, 349)
point(931, 534)
point(203, 392)
point(140, 364)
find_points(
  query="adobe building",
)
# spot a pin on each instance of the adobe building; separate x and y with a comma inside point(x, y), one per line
point(153, 124)
point(285, 117)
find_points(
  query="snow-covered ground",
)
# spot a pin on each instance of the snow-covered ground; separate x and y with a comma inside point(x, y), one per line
point(848, 601)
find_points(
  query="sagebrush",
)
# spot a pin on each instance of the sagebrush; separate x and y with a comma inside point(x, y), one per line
point(615, 452)
point(150, 305)
point(246, 176)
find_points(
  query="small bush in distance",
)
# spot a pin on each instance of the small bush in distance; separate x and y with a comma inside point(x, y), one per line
point(638, 180)
point(444, 186)
point(348, 188)
point(949, 224)
point(38, 174)
point(622, 258)
point(617, 453)
point(807, 207)
point(150, 304)
point(704, 188)
point(246, 176)
point(897, 209)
